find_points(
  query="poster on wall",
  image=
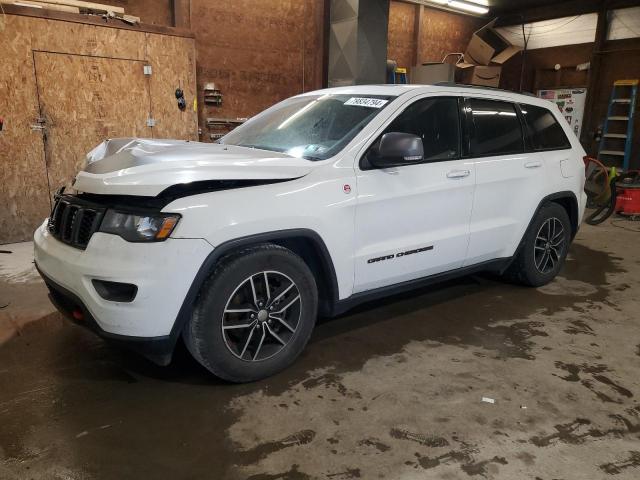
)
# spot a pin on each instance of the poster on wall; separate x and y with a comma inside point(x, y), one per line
point(570, 102)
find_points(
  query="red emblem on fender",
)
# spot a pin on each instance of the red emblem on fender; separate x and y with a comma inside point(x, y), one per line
point(347, 189)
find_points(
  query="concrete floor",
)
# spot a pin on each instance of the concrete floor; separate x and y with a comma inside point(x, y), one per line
point(393, 390)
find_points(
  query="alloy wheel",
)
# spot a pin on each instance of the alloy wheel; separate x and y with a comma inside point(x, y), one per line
point(261, 316)
point(549, 245)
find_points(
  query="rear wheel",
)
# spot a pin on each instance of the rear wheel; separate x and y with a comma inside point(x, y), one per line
point(544, 249)
point(254, 315)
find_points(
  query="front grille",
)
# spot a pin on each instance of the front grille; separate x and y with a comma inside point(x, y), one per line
point(73, 221)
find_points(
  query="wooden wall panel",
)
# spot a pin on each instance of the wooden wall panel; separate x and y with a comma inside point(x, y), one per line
point(400, 44)
point(81, 39)
point(85, 100)
point(174, 65)
point(24, 202)
point(257, 52)
point(154, 12)
point(445, 32)
point(440, 33)
point(313, 13)
point(94, 90)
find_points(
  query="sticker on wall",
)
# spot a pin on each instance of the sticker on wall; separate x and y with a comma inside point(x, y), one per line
point(570, 102)
point(366, 102)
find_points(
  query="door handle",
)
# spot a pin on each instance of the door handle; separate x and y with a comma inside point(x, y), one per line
point(458, 173)
point(535, 164)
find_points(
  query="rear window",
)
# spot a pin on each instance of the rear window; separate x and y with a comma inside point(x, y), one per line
point(495, 128)
point(544, 130)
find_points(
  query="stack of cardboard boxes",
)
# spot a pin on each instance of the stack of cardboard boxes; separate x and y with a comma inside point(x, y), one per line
point(481, 64)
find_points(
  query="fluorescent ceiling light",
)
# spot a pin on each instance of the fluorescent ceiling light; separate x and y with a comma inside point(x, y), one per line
point(473, 6)
point(468, 7)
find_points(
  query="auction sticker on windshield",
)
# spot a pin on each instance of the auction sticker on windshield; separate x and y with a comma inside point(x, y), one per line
point(366, 102)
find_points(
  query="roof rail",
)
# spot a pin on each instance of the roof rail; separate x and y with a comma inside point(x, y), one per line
point(480, 87)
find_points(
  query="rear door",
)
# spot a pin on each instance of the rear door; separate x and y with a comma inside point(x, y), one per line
point(509, 181)
point(550, 144)
point(413, 221)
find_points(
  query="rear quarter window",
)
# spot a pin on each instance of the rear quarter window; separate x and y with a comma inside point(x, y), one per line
point(544, 130)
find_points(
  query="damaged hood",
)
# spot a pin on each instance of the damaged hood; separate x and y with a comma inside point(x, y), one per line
point(136, 166)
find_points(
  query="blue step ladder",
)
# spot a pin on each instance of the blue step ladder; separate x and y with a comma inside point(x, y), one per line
point(398, 75)
point(622, 105)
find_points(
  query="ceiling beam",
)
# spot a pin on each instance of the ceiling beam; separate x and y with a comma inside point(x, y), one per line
point(559, 10)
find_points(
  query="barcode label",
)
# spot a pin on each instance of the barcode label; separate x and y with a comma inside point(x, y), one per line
point(366, 102)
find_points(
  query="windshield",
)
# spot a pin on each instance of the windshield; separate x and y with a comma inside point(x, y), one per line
point(314, 127)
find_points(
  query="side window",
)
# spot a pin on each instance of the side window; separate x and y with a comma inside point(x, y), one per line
point(544, 130)
point(495, 128)
point(435, 121)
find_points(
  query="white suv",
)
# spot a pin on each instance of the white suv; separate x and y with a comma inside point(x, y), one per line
point(321, 202)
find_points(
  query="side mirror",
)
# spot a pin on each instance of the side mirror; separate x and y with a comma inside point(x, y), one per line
point(397, 149)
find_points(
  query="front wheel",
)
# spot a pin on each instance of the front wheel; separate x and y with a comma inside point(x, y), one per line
point(544, 247)
point(254, 314)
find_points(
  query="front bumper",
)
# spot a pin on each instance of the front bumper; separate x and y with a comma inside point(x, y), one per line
point(156, 349)
point(162, 271)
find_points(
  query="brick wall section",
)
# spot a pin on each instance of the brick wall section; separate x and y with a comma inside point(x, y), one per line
point(441, 33)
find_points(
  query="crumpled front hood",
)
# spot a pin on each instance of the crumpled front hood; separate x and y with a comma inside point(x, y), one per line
point(137, 166)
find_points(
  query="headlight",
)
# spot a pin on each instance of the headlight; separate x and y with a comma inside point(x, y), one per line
point(139, 228)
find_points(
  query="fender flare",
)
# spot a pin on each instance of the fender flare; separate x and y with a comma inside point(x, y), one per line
point(549, 198)
point(225, 248)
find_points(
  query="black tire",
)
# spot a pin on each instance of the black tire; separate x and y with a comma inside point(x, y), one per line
point(538, 261)
point(216, 334)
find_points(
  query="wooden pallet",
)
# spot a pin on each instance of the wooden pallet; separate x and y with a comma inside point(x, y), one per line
point(76, 6)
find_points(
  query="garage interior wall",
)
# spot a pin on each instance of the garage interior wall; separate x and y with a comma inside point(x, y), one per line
point(256, 52)
point(620, 59)
point(151, 12)
point(68, 85)
point(439, 33)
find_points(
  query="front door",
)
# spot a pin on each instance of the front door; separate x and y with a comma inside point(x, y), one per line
point(413, 221)
point(84, 100)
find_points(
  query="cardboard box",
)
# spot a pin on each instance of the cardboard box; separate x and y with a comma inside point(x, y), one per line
point(487, 46)
point(487, 76)
point(430, 73)
point(484, 56)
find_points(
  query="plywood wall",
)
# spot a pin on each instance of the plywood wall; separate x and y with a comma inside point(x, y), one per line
point(444, 32)
point(440, 33)
point(400, 44)
point(24, 199)
point(83, 101)
point(257, 52)
point(25, 185)
point(174, 61)
point(153, 12)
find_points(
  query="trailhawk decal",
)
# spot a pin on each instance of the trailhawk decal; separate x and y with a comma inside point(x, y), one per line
point(399, 254)
point(366, 102)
